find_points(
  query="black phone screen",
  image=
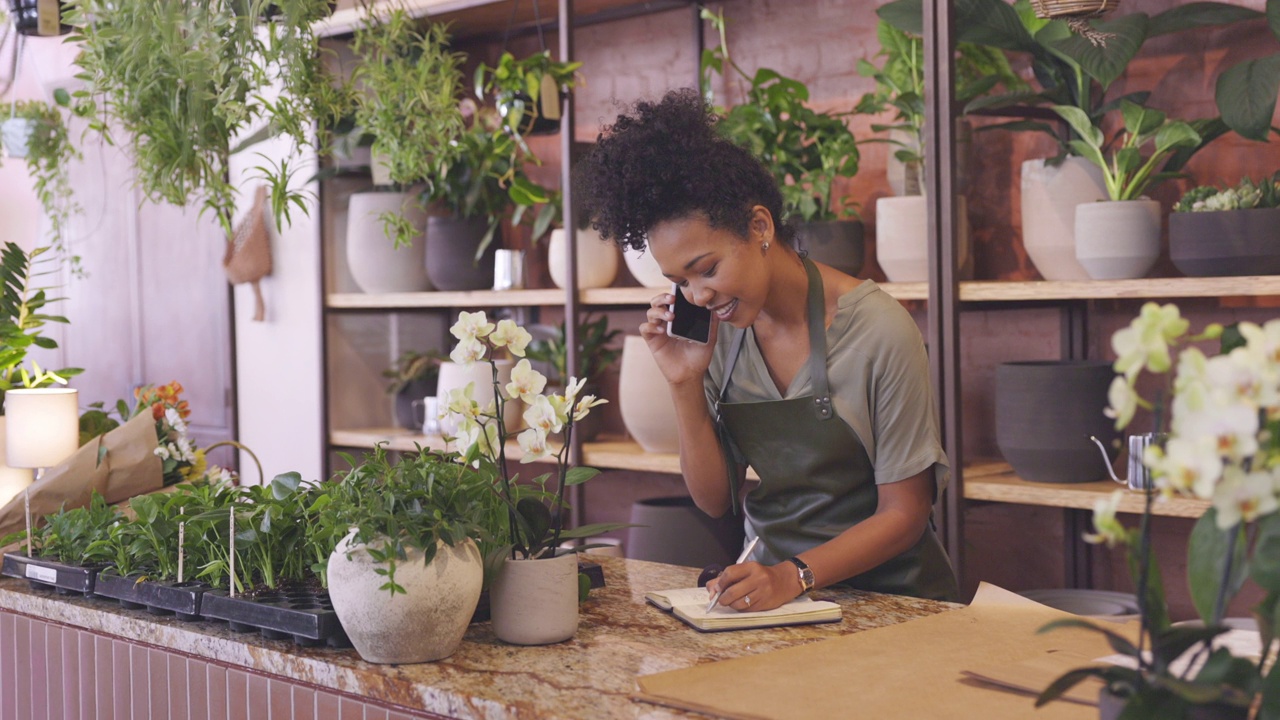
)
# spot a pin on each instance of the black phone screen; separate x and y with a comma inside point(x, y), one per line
point(690, 322)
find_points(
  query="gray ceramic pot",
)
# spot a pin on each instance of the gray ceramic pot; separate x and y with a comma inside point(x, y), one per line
point(451, 253)
point(838, 243)
point(1110, 706)
point(673, 530)
point(1229, 242)
point(1045, 412)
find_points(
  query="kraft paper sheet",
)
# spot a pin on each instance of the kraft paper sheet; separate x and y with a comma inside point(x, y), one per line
point(129, 467)
point(914, 669)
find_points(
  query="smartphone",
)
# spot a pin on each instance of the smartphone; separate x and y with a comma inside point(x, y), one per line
point(690, 322)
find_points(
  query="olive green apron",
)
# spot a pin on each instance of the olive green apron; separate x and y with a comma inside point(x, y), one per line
point(816, 480)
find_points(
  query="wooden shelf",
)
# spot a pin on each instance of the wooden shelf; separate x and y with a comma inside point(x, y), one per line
point(469, 18)
point(461, 299)
point(1120, 289)
point(996, 482)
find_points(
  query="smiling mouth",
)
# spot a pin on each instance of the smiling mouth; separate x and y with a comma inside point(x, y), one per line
point(724, 312)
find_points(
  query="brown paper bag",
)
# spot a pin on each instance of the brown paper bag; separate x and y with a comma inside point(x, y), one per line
point(119, 465)
point(248, 257)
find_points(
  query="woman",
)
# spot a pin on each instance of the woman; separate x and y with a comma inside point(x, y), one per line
point(819, 380)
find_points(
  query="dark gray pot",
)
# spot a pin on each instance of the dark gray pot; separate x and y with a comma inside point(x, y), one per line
point(1111, 705)
point(673, 530)
point(838, 243)
point(1229, 242)
point(1045, 412)
point(415, 390)
point(451, 253)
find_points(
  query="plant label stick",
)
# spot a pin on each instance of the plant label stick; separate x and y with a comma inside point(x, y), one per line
point(26, 505)
point(182, 538)
point(233, 549)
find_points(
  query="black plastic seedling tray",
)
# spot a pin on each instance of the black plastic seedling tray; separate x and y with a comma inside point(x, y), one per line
point(305, 616)
point(159, 598)
point(47, 574)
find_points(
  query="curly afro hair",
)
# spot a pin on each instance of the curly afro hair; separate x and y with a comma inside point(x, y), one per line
point(665, 161)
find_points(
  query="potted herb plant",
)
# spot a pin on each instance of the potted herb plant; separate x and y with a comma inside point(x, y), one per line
point(409, 105)
point(410, 379)
point(1222, 450)
point(410, 559)
point(35, 131)
point(40, 19)
point(1231, 231)
point(1120, 238)
point(527, 91)
point(534, 596)
point(595, 356)
point(807, 152)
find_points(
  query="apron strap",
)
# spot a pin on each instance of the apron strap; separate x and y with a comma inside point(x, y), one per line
point(818, 343)
point(733, 458)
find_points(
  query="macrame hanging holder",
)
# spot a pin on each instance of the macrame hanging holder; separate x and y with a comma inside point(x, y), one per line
point(1076, 14)
point(248, 257)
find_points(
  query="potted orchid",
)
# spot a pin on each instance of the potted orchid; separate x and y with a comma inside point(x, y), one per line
point(1223, 445)
point(533, 567)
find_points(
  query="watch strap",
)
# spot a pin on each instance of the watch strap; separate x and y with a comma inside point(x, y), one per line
point(806, 574)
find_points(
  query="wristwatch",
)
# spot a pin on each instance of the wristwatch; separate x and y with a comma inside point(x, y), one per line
point(806, 575)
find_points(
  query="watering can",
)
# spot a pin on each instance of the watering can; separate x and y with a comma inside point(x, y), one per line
point(1139, 477)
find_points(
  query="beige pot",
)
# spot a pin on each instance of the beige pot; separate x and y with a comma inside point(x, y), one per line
point(644, 400)
point(12, 480)
point(376, 265)
point(902, 241)
point(1118, 239)
point(535, 602)
point(426, 622)
point(1049, 199)
point(645, 269)
point(453, 375)
point(597, 259)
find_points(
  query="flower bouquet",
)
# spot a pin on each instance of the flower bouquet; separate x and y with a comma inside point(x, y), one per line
point(1223, 446)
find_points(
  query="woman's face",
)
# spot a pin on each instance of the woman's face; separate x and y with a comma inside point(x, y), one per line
point(713, 267)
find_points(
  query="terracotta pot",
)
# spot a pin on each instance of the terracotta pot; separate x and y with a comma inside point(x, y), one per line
point(673, 530)
point(426, 622)
point(597, 259)
point(451, 256)
point(535, 602)
point(376, 265)
point(838, 243)
point(1228, 242)
point(645, 269)
point(1118, 239)
point(1049, 198)
point(646, 406)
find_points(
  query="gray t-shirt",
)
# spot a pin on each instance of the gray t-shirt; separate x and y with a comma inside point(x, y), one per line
point(879, 376)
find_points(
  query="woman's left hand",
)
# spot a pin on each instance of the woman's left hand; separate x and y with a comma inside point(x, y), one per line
point(752, 586)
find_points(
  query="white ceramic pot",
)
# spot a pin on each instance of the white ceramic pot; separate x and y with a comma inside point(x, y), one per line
point(380, 168)
point(375, 263)
point(1049, 199)
point(12, 480)
point(902, 240)
point(535, 602)
point(15, 136)
point(643, 398)
point(1118, 240)
point(645, 269)
point(453, 375)
point(597, 259)
point(426, 622)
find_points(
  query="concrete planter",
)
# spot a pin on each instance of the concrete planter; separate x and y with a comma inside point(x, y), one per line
point(376, 265)
point(645, 269)
point(647, 409)
point(451, 259)
point(838, 243)
point(1225, 243)
point(535, 602)
point(1049, 198)
point(597, 259)
point(1118, 239)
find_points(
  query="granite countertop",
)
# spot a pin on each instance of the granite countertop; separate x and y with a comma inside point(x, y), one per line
point(620, 637)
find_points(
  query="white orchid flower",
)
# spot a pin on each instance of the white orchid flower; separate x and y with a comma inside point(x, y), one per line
point(533, 441)
point(1122, 401)
point(1109, 529)
point(468, 351)
point(471, 326)
point(1145, 342)
point(511, 336)
point(584, 406)
point(1188, 466)
point(483, 436)
point(542, 415)
point(459, 402)
point(1234, 427)
point(526, 382)
point(1244, 497)
point(572, 389)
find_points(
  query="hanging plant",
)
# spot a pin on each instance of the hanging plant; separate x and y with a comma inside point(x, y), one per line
point(40, 18)
point(34, 130)
point(527, 92)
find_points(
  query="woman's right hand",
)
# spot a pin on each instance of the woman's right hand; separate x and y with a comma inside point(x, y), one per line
point(680, 361)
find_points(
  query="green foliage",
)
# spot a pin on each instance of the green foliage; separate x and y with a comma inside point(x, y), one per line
point(805, 150)
point(23, 317)
point(423, 499)
point(519, 89)
point(594, 355)
point(75, 536)
point(410, 367)
point(49, 151)
point(185, 81)
point(1247, 195)
point(1127, 173)
point(1246, 93)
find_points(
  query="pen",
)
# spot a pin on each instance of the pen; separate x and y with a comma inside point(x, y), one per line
point(750, 546)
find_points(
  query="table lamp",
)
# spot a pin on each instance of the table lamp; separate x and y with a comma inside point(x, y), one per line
point(42, 428)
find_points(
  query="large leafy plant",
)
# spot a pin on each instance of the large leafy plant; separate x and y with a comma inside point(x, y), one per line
point(594, 354)
point(185, 82)
point(1223, 446)
point(1246, 93)
point(805, 150)
point(23, 317)
point(1126, 171)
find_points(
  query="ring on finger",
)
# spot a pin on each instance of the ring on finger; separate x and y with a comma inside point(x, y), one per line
point(747, 599)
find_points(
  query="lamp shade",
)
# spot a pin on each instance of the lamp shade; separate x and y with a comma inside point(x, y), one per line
point(12, 480)
point(42, 426)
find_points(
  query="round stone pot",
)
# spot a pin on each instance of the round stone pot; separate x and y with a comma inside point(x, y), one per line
point(451, 255)
point(645, 269)
point(1050, 195)
point(427, 622)
point(646, 406)
point(838, 243)
point(1228, 242)
point(673, 530)
point(376, 264)
point(535, 602)
point(902, 240)
point(597, 259)
point(1118, 239)
point(1045, 412)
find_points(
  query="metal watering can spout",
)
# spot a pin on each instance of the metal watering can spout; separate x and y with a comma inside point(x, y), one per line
point(1106, 461)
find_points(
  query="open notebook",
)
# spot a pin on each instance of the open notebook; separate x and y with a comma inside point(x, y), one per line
point(690, 605)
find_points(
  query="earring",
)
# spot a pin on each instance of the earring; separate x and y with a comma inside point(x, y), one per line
point(765, 246)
